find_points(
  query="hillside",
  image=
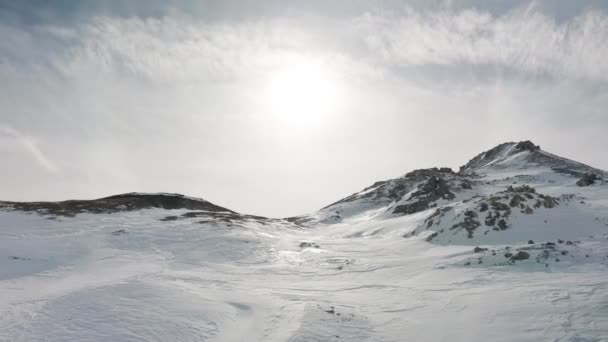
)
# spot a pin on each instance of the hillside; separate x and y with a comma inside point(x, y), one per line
point(513, 246)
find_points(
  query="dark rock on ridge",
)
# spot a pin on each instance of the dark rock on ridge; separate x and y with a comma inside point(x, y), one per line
point(117, 203)
point(587, 179)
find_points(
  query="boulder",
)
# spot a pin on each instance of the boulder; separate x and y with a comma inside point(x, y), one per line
point(521, 255)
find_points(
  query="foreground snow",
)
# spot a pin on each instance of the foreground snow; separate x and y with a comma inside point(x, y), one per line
point(83, 278)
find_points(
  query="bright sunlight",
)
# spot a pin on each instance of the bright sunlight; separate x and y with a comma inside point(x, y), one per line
point(302, 94)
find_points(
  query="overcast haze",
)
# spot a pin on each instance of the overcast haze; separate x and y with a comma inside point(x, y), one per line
point(279, 109)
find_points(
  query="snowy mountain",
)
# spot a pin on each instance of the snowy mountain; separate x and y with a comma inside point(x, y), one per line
point(512, 247)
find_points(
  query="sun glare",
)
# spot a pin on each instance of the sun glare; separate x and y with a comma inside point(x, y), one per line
point(302, 94)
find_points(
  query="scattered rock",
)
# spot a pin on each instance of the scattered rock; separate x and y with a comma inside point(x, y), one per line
point(502, 224)
point(169, 218)
point(521, 189)
point(587, 179)
point(411, 208)
point(530, 242)
point(119, 232)
point(521, 255)
point(308, 245)
point(466, 185)
point(433, 189)
point(479, 250)
point(13, 257)
point(527, 146)
point(470, 213)
point(431, 237)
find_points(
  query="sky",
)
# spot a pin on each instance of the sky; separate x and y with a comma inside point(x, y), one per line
point(278, 108)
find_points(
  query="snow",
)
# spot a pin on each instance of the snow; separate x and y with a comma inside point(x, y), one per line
point(128, 276)
point(183, 281)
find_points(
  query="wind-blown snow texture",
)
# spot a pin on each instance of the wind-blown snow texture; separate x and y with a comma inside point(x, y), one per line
point(510, 248)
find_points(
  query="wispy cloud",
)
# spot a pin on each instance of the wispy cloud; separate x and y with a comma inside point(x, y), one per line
point(29, 145)
point(524, 39)
point(178, 98)
point(182, 48)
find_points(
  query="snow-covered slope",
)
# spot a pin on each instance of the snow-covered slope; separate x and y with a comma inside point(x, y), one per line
point(513, 247)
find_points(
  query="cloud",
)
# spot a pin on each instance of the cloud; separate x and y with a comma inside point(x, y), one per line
point(30, 146)
point(180, 48)
point(523, 39)
point(176, 102)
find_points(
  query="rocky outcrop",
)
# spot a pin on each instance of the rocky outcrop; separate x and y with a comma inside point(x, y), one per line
point(497, 156)
point(433, 189)
point(521, 255)
point(527, 146)
point(117, 203)
point(587, 179)
point(492, 212)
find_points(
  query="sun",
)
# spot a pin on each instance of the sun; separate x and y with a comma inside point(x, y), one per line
point(302, 94)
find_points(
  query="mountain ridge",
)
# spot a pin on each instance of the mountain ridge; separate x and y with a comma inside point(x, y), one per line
point(518, 155)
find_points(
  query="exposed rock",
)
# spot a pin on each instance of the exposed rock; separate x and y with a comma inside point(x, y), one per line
point(433, 189)
point(431, 237)
point(521, 255)
point(527, 146)
point(479, 250)
point(308, 245)
point(169, 218)
point(499, 206)
point(421, 174)
point(411, 208)
point(14, 257)
point(502, 224)
point(117, 203)
point(470, 213)
point(397, 192)
point(491, 219)
point(516, 200)
point(587, 179)
point(521, 189)
point(466, 185)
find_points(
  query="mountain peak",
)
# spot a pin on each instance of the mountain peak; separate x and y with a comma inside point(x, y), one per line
point(527, 146)
point(497, 154)
point(523, 155)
